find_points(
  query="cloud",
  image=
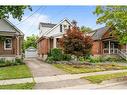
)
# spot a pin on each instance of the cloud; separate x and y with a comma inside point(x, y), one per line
point(30, 26)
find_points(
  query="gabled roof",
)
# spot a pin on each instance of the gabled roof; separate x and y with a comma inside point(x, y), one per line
point(57, 25)
point(18, 30)
point(50, 25)
point(98, 33)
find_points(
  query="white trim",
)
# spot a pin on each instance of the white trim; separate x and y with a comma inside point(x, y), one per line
point(109, 48)
point(54, 42)
point(5, 44)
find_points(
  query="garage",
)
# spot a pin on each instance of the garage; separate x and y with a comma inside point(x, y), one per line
point(31, 52)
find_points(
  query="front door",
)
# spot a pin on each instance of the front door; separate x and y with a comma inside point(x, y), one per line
point(112, 48)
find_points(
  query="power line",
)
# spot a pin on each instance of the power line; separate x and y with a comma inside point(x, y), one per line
point(30, 15)
point(38, 16)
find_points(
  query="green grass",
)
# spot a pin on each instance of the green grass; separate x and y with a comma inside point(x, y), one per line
point(73, 69)
point(14, 72)
point(18, 86)
point(101, 78)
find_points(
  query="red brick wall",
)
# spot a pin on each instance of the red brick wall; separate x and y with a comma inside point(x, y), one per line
point(8, 52)
point(43, 46)
point(97, 48)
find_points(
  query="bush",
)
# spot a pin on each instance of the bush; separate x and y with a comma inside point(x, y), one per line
point(66, 57)
point(95, 59)
point(56, 54)
point(4, 62)
point(103, 59)
point(81, 59)
point(50, 59)
point(19, 61)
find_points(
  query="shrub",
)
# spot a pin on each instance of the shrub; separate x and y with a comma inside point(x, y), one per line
point(19, 61)
point(56, 54)
point(66, 57)
point(95, 59)
point(4, 62)
point(81, 59)
point(50, 59)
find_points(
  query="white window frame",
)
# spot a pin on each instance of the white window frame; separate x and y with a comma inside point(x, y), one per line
point(5, 44)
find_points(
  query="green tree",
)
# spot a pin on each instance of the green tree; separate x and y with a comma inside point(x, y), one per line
point(30, 41)
point(75, 43)
point(85, 29)
point(15, 11)
point(116, 17)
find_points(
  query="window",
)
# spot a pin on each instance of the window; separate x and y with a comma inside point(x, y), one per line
point(8, 44)
point(106, 45)
point(60, 28)
point(69, 27)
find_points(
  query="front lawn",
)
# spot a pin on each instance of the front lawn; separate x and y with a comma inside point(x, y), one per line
point(100, 78)
point(14, 72)
point(18, 86)
point(75, 69)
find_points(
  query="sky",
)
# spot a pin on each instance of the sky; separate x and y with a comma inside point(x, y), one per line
point(54, 14)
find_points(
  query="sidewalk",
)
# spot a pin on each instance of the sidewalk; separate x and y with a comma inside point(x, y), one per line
point(55, 78)
point(96, 86)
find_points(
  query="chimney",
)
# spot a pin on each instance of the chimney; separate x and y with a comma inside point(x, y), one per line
point(74, 23)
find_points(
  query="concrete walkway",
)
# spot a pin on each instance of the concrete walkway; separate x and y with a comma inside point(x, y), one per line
point(57, 78)
point(41, 69)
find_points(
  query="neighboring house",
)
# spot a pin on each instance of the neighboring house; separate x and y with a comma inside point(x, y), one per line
point(10, 40)
point(49, 36)
point(105, 43)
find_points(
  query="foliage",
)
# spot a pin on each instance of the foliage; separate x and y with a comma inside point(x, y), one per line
point(56, 54)
point(66, 57)
point(74, 42)
point(15, 11)
point(4, 63)
point(104, 59)
point(100, 78)
point(2, 38)
point(81, 59)
point(85, 29)
point(116, 17)
point(18, 86)
point(83, 68)
point(30, 41)
point(14, 72)
point(50, 59)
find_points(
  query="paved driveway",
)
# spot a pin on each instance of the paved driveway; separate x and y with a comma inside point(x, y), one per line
point(41, 69)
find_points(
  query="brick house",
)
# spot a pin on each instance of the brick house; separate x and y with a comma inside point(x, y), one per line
point(50, 35)
point(10, 40)
point(105, 43)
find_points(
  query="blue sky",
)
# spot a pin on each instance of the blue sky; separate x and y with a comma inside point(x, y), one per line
point(53, 14)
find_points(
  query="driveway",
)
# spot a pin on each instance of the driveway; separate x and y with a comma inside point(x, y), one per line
point(41, 69)
point(49, 77)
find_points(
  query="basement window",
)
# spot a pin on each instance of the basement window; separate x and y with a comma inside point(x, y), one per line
point(8, 44)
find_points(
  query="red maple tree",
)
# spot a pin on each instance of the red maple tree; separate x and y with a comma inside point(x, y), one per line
point(75, 42)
